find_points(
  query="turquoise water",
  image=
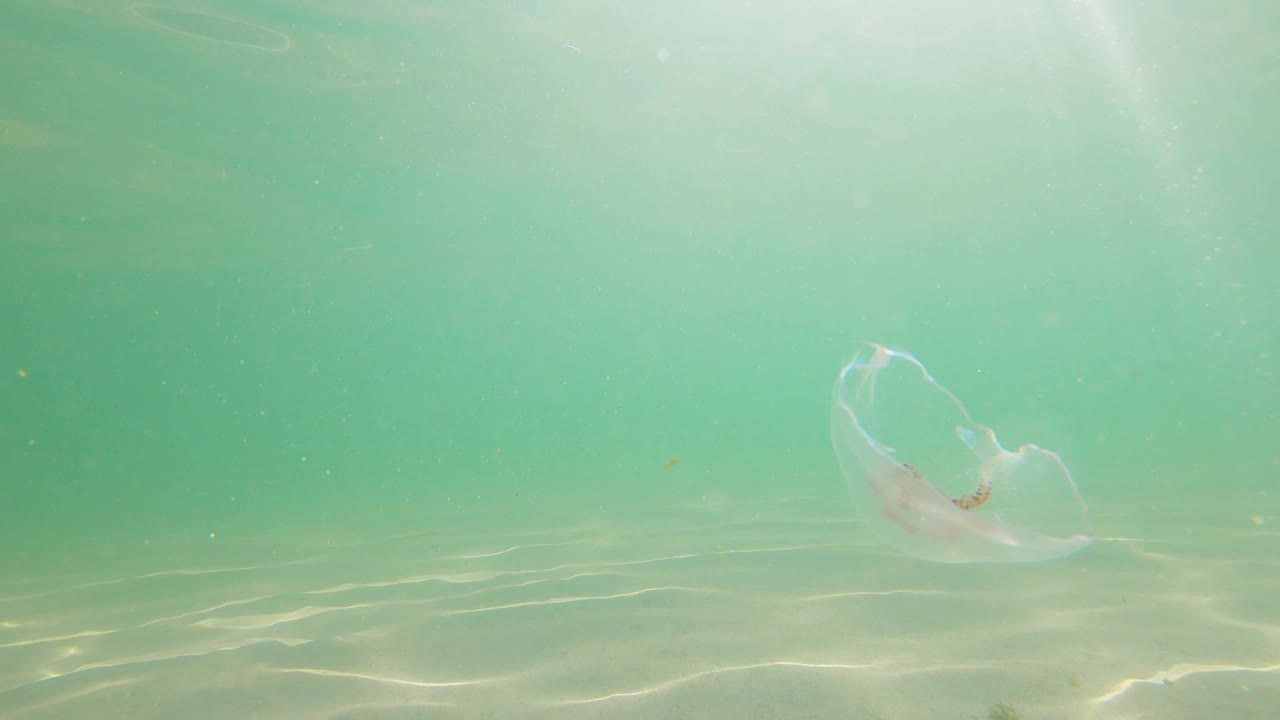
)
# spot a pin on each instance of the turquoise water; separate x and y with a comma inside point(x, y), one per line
point(399, 359)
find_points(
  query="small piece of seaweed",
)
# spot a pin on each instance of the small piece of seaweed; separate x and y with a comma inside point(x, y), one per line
point(1002, 711)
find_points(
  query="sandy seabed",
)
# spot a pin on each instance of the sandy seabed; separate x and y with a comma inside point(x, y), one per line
point(771, 609)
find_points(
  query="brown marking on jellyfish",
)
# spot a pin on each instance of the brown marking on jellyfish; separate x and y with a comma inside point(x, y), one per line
point(968, 501)
point(976, 498)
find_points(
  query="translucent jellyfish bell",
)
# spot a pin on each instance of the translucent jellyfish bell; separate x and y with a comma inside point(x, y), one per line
point(930, 481)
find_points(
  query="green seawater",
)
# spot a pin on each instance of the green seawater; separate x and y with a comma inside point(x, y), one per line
point(413, 359)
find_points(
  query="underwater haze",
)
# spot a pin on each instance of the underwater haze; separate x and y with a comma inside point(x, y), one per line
point(374, 359)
